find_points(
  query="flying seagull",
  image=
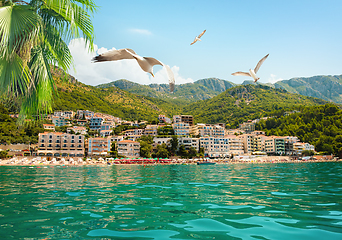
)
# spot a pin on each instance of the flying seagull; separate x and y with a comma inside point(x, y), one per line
point(198, 38)
point(146, 63)
point(252, 73)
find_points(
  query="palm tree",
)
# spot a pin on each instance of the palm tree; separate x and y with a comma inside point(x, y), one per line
point(32, 40)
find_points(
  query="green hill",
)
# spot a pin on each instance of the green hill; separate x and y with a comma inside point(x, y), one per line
point(73, 95)
point(325, 87)
point(320, 126)
point(244, 102)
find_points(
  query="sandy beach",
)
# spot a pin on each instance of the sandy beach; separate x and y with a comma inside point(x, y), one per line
point(33, 161)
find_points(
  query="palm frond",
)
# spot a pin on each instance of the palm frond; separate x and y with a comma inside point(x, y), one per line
point(15, 76)
point(40, 98)
point(76, 18)
point(19, 25)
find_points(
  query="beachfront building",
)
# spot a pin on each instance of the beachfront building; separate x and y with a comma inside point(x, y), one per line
point(215, 146)
point(50, 127)
point(60, 144)
point(181, 129)
point(275, 145)
point(269, 145)
point(151, 130)
point(95, 123)
point(299, 147)
point(99, 146)
point(248, 142)
point(211, 130)
point(129, 148)
point(59, 121)
point(235, 145)
point(189, 142)
point(77, 130)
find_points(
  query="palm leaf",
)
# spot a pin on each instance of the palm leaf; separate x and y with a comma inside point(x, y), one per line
point(19, 25)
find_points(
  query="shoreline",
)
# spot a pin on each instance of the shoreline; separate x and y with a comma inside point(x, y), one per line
point(43, 161)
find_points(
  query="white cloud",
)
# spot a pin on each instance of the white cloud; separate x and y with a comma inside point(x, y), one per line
point(273, 78)
point(97, 73)
point(140, 31)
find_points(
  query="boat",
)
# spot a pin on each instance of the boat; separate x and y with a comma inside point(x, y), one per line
point(205, 163)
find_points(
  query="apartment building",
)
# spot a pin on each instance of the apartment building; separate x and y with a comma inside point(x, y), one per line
point(275, 145)
point(77, 129)
point(99, 146)
point(60, 144)
point(235, 145)
point(161, 140)
point(50, 127)
point(215, 146)
point(248, 126)
point(59, 121)
point(95, 123)
point(181, 129)
point(189, 142)
point(129, 148)
point(248, 142)
point(151, 130)
point(136, 131)
point(211, 130)
point(117, 138)
point(183, 119)
point(164, 119)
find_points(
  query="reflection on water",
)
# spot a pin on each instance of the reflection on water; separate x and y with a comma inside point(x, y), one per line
point(300, 201)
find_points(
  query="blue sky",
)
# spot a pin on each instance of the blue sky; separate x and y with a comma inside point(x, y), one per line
point(303, 38)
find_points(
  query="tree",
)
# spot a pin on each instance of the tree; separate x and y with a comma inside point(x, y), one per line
point(113, 150)
point(174, 144)
point(162, 151)
point(182, 151)
point(32, 35)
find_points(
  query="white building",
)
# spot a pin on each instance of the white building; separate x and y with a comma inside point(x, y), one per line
point(181, 129)
point(189, 142)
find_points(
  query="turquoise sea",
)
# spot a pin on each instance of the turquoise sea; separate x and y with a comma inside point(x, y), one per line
point(238, 201)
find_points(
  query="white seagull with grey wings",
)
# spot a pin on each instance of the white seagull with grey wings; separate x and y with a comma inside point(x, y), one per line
point(252, 73)
point(146, 63)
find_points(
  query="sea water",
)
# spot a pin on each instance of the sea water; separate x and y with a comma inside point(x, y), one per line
point(238, 201)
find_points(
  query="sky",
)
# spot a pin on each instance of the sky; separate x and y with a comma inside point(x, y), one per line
point(302, 37)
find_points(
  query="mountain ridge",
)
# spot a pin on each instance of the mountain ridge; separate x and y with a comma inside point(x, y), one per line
point(326, 87)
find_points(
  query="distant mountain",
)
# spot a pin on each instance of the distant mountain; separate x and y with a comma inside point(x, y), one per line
point(328, 88)
point(183, 94)
point(245, 102)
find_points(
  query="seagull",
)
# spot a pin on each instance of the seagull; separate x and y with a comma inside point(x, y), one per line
point(252, 73)
point(198, 38)
point(146, 63)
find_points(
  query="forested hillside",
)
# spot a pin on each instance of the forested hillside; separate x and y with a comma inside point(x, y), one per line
point(244, 102)
point(73, 95)
point(320, 126)
point(10, 132)
point(325, 87)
